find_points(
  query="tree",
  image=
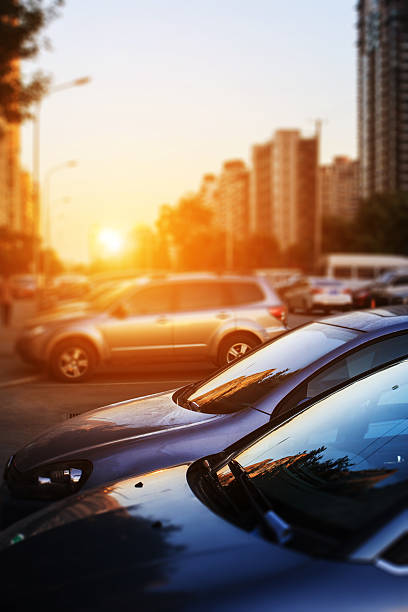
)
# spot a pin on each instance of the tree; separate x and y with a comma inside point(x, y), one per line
point(21, 22)
point(381, 224)
point(186, 232)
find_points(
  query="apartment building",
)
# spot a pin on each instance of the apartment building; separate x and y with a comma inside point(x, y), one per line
point(339, 187)
point(283, 192)
point(383, 95)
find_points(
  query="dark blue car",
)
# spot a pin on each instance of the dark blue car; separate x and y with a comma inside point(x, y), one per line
point(170, 428)
point(308, 515)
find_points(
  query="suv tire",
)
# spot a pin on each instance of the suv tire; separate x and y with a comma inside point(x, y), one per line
point(73, 360)
point(235, 346)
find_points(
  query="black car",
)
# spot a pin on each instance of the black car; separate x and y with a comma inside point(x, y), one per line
point(309, 515)
point(383, 291)
point(169, 428)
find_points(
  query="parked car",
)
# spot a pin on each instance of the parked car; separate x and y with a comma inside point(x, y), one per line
point(100, 291)
point(63, 287)
point(291, 285)
point(179, 317)
point(383, 291)
point(24, 285)
point(308, 515)
point(169, 428)
point(329, 294)
point(296, 292)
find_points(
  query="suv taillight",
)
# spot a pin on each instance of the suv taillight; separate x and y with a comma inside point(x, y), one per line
point(279, 312)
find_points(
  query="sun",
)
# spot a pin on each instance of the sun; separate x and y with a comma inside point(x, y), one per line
point(111, 240)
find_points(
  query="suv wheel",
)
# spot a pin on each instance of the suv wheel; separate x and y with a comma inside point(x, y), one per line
point(236, 346)
point(73, 360)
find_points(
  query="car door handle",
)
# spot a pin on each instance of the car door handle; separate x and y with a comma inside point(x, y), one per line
point(223, 315)
point(162, 320)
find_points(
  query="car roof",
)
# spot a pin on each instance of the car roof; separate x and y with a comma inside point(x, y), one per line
point(371, 320)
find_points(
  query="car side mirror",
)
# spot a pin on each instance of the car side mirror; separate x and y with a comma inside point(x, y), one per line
point(120, 311)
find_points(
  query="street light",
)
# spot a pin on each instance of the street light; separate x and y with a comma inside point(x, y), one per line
point(36, 161)
point(72, 163)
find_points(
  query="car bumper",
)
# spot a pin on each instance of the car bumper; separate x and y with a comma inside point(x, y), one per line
point(332, 300)
point(26, 351)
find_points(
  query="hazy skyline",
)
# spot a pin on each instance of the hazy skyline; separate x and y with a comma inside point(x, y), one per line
point(177, 88)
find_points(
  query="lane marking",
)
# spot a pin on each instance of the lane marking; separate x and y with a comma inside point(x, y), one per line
point(19, 381)
point(148, 382)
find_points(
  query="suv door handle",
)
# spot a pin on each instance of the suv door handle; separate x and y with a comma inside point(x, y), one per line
point(223, 315)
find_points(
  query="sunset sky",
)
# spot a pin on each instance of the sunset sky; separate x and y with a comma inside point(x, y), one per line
point(179, 86)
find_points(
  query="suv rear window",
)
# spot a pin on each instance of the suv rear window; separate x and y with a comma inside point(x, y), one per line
point(245, 293)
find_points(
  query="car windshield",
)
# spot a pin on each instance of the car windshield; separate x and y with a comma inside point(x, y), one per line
point(338, 466)
point(252, 378)
point(385, 278)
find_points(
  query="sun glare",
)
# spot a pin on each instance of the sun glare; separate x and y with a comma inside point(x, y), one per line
point(110, 240)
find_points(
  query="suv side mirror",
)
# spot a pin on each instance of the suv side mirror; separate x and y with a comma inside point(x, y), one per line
point(120, 311)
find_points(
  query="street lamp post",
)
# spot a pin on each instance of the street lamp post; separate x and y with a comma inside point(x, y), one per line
point(36, 165)
point(47, 184)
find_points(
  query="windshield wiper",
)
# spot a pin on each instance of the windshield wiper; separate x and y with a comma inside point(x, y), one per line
point(268, 518)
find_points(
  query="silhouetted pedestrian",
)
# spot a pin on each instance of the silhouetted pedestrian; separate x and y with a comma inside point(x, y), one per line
point(6, 299)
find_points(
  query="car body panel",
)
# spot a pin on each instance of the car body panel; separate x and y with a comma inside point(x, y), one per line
point(149, 543)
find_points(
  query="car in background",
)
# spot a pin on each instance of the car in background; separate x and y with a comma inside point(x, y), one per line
point(63, 287)
point(174, 317)
point(383, 290)
point(308, 514)
point(24, 285)
point(100, 291)
point(165, 429)
point(329, 294)
point(291, 285)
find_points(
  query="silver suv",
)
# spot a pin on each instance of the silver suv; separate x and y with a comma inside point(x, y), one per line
point(172, 317)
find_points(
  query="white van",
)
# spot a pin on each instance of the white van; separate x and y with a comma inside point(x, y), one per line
point(359, 268)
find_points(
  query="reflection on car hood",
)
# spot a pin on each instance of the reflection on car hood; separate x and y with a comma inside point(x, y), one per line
point(112, 423)
point(148, 543)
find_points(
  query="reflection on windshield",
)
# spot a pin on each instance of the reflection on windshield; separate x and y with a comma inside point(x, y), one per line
point(340, 464)
point(253, 377)
point(242, 390)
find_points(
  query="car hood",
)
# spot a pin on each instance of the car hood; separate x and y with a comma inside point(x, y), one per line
point(109, 424)
point(148, 543)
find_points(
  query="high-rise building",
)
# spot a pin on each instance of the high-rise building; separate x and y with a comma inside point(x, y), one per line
point(383, 95)
point(339, 187)
point(261, 192)
point(208, 193)
point(284, 177)
point(233, 196)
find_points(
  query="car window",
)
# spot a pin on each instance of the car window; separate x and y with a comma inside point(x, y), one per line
point(195, 295)
point(342, 272)
point(150, 300)
point(338, 465)
point(401, 280)
point(362, 360)
point(366, 273)
point(245, 293)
